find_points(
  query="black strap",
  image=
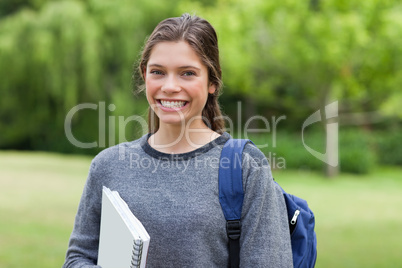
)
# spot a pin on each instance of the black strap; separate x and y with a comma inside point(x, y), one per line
point(233, 231)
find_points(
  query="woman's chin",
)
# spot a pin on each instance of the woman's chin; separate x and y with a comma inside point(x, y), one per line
point(172, 121)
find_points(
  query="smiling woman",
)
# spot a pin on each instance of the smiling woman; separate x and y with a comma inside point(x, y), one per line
point(166, 177)
point(177, 87)
point(199, 58)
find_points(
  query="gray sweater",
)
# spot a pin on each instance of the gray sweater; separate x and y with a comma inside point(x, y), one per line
point(175, 196)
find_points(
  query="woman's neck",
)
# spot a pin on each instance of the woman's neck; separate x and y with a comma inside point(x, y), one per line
point(175, 139)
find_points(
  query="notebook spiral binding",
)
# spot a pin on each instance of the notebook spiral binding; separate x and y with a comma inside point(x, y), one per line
point(137, 254)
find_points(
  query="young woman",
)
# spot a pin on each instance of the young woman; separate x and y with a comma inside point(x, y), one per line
point(169, 177)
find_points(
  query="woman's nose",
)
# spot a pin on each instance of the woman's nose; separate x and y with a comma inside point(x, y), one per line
point(171, 85)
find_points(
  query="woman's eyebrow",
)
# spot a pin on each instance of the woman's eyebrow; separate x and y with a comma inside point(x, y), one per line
point(155, 65)
point(181, 67)
point(189, 67)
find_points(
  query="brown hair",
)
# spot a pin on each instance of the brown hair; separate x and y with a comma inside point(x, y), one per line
point(201, 36)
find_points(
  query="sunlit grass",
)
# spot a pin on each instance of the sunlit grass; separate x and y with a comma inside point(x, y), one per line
point(357, 217)
point(39, 194)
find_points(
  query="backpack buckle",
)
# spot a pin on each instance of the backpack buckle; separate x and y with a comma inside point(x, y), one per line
point(233, 229)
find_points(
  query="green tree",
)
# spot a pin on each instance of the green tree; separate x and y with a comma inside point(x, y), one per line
point(68, 53)
point(296, 56)
point(283, 58)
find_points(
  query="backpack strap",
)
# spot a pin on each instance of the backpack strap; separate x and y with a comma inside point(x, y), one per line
point(231, 194)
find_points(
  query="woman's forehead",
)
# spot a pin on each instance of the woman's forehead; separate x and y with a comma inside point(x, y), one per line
point(175, 54)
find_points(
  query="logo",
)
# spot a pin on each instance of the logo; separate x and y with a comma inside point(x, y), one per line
point(331, 155)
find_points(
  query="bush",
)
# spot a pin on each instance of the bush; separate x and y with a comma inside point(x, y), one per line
point(356, 150)
point(388, 147)
point(287, 150)
point(356, 153)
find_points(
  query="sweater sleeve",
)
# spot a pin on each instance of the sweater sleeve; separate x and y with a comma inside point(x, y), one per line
point(265, 239)
point(82, 250)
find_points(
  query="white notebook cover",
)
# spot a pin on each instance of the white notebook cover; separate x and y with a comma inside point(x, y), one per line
point(122, 236)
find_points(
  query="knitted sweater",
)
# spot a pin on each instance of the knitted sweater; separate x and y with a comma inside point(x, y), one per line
point(175, 196)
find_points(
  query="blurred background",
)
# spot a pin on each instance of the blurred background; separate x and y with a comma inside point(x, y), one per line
point(73, 62)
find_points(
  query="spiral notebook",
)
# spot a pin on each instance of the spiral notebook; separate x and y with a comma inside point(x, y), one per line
point(123, 240)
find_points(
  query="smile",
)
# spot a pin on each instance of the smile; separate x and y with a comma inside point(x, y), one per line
point(172, 104)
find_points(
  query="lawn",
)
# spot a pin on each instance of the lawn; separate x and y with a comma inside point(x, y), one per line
point(358, 218)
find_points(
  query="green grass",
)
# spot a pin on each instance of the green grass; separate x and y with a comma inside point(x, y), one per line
point(39, 195)
point(358, 218)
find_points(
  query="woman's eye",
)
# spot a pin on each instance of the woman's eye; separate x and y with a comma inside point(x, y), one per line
point(189, 73)
point(157, 72)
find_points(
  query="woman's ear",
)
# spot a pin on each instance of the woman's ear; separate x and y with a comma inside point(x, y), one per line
point(211, 88)
point(144, 73)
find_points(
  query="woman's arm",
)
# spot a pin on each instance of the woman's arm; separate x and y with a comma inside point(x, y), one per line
point(83, 245)
point(265, 239)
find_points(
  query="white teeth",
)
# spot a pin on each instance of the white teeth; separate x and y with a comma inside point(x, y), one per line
point(172, 104)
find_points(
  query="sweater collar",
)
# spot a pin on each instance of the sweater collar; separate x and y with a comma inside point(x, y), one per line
point(184, 156)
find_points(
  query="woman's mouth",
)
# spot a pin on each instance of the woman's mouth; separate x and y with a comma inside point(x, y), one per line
point(172, 104)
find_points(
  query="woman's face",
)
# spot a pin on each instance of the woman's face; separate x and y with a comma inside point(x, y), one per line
point(177, 83)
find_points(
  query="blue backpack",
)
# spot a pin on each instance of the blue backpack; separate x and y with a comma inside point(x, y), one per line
point(301, 218)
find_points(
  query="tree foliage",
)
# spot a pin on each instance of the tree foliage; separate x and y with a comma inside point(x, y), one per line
point(296, 57)
point(67, 53)
point(289, 57)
